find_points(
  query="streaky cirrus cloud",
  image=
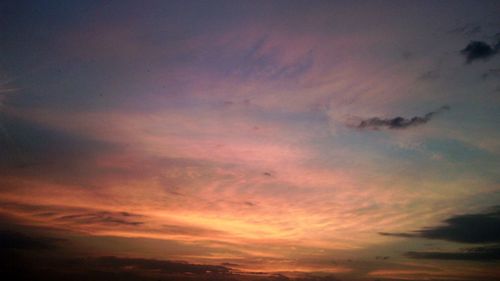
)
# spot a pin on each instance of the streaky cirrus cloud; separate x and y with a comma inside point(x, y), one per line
point(399, 122)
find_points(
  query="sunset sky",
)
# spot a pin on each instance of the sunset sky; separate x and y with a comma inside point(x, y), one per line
point(250, 140)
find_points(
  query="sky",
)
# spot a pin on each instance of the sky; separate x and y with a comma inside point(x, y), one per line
point(250, 140)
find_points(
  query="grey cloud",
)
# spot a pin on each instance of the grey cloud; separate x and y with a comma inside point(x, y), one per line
point(399, 122)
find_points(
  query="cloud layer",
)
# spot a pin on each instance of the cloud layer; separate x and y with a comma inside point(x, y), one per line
point(215, 133)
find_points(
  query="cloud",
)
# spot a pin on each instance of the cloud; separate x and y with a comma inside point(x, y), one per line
point(117, 263)
point(399, 122)
point(73, 217)
point(467, 29)
point(108, 268)
point(188, 230)
point(468, 228)
point(491, 73)
point(399, 234)
point(103, 217)
point(13, 240)
point(130, 269)
point(479, 50)
point(487, 253)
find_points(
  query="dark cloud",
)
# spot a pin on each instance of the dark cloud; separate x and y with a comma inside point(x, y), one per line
point(103, 217)
point(479, 50)
point(188, 230)
point(487, 253)
point(468, 228)
point(399, 234)
point(228, 264)
point(399, 122)
point(250, 204)
point(73, 216)
point(107, 268)
point(129, 269)
point(13, 240)
point(116, 263)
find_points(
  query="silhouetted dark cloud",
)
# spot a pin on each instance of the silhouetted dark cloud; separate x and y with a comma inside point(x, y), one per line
point(487, 253)
point(117, 263)
point(399, 122)
point(468, 228)
point(36, 268)
point(13, 240)
point(107, 268)
point(479, 50)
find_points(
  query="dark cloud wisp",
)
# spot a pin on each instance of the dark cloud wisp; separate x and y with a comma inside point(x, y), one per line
point(376, 123)
point(103, 217)
point(73, 216)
